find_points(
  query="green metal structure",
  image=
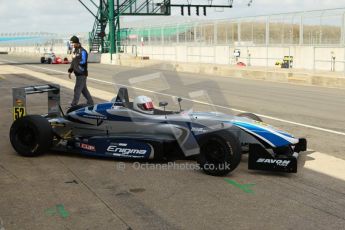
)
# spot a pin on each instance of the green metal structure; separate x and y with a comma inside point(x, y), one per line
point(110, 11)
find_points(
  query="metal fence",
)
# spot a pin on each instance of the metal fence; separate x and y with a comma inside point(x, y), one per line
point(315, 40)
point(322, 27)
point(37, 39)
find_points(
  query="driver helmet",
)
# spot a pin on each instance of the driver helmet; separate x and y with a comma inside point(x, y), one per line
point(143, 104)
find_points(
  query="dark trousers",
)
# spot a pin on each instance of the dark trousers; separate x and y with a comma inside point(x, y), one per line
point(81, 88)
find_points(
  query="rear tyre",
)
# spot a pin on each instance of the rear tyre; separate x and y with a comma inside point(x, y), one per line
point(49, 61)
point(43, 60)
point(31, 135)
point(220, 153)
point(251, 116)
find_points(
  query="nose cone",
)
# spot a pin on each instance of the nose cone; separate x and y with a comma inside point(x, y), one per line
point(273, 136)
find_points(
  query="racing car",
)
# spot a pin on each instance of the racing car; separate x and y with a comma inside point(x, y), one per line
point(118, 129)
point(51, 58)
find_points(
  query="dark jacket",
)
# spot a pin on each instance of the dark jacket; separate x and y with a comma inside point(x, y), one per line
point(79, 62)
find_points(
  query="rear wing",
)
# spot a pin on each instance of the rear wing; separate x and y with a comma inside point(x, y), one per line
point(19, 99)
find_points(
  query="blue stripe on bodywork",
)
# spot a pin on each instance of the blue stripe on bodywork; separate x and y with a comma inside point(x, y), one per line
point(285, 134)
point(271, 137)
point(102, 109)
point(104, 106)
point(105, 115)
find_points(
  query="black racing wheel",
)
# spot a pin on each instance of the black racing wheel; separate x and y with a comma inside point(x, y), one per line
point(220, 153)
point(31, 135)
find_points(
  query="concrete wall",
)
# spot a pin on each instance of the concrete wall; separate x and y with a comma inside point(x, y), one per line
point(305, 77)
point(305, 57)
point(218, 60)
point(30, 50)
point(59, 50)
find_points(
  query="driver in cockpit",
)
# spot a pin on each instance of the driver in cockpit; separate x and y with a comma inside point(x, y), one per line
point(143, 104)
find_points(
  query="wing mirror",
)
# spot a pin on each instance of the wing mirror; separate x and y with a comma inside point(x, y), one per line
point(179, 103)
point(163, 104)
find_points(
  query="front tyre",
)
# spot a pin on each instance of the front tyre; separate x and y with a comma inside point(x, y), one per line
point(220, 153)
point(31, 135)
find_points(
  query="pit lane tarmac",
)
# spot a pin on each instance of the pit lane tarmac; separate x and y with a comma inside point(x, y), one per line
point(67, 191)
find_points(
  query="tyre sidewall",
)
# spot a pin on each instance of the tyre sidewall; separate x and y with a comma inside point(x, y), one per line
point(231, 149)
point(42, 131)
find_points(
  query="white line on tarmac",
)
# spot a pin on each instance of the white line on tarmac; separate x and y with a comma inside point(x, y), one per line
point(200, 102)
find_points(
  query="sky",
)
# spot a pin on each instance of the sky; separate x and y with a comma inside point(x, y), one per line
point(69, 16)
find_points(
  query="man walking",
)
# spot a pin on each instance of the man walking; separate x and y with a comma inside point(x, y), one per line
point(79, 67)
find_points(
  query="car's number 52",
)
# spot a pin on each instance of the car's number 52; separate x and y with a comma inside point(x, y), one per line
point(18, 112)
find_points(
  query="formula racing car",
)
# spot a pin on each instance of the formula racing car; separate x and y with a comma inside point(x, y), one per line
point(119, 129)
point(51, 58)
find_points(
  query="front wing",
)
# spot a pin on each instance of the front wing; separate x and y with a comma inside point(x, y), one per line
point(261, 159)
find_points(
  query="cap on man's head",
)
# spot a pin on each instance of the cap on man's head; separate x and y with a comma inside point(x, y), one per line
point(74, 39)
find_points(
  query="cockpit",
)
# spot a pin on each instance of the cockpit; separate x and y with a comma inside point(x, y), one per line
point(122, 99)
